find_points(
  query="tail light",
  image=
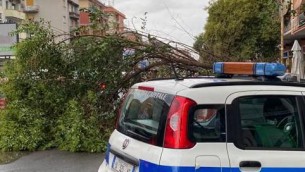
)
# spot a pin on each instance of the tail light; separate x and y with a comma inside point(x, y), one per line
point(176, 129)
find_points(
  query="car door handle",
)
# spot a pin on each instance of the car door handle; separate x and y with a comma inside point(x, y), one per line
point(250, 164)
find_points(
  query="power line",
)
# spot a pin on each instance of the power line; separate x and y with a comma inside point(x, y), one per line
point(176, 21)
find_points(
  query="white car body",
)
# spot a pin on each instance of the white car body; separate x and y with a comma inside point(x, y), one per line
point(134, 155)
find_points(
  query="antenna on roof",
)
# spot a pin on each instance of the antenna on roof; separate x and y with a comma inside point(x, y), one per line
point(175, 72)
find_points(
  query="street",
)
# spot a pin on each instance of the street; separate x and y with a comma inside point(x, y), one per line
point(55, 161)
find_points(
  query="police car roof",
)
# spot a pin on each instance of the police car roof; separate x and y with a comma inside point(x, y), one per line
point(172, 86)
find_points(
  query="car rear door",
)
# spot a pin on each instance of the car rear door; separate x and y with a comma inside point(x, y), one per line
point(266, 131)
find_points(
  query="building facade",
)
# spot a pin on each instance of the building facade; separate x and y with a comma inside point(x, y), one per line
point(62, 14)
point(294, 24)
point(73, 9)
point(114, 19)
point(87, 4)
point(11, 11)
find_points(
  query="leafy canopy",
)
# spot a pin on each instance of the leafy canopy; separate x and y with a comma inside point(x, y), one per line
point(240, 30)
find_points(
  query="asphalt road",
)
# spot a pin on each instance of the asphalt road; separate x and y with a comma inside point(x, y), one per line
point(55, 161)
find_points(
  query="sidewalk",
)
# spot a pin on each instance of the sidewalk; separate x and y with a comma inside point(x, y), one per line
point(55, 161)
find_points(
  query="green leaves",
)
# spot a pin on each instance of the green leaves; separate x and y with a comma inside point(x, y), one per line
point(22, 128)
point(77, 133)
point(240, 30)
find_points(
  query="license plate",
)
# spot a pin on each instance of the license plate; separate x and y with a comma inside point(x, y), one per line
point(120, 165)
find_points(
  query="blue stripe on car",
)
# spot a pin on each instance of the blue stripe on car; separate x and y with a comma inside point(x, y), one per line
point(145, 166)
point(107, 153)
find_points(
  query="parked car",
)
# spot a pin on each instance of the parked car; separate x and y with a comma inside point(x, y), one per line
point(211, 124)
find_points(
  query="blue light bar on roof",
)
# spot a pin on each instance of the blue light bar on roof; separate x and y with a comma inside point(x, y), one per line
point(249, 68)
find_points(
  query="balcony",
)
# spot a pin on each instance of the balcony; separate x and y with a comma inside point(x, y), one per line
point(31, 9)
point(74, 15)
point(73, 2)
point(294, 28)
point(14, 15)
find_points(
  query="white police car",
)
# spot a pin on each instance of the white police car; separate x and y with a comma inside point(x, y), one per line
point(211, 124)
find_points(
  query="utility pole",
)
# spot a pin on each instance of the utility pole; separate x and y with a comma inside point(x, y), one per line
point(281, 13)
point(282, 40)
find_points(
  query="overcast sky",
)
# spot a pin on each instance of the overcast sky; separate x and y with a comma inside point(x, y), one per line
point(178, 20)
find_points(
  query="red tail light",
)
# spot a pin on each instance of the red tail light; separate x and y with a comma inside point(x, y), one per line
point(176, 130)
point(146, 88)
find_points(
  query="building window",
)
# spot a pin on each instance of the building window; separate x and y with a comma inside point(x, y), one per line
point(6, 4)
point(13, 6)
point(0, 3)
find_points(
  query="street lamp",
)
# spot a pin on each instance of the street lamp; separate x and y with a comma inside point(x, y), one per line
point(283, 8)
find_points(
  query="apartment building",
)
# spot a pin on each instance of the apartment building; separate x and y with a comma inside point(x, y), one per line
point(74, 15)
point(294, 24)
point(86, 4)
point(63, 15)
point(115, 19)
point(11, 11)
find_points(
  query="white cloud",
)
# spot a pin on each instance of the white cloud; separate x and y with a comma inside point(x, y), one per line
point(178, 20)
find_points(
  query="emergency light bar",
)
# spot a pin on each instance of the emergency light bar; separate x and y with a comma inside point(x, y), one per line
point(249, 68)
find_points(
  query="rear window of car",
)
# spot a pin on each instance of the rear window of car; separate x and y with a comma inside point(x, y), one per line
point(143, 115)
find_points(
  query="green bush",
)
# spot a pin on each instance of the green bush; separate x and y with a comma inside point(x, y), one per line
point(76, 132)
point(53, 93)
point(22, 128)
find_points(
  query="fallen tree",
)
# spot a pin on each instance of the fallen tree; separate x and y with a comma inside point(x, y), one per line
point(63, 90)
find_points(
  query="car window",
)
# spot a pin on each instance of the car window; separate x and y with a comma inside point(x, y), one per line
point(143, 115)
point(207, 123)
point(270, 122)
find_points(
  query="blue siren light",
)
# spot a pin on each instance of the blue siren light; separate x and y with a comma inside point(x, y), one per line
point(249, 68)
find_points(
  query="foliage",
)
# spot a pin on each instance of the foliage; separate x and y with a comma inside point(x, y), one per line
point(240, 30)
point(75, 132)
point(22, 128)
point(54, 95)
